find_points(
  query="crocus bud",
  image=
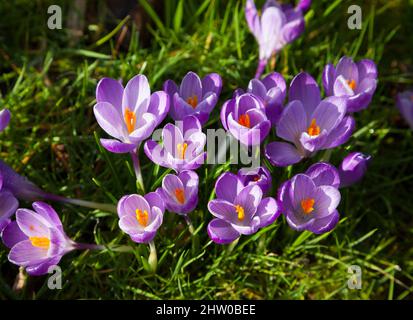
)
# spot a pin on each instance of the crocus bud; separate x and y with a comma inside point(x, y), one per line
point(304, 5)
point(353, 168)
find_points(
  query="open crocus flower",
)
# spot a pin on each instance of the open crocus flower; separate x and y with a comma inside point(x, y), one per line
point(259, 176)
point(271, 90)
point(141, 216)
point(357, 81)
point(182, 146)
point(239, 209)
point(4, 119)
point(277, 26)
point(353, 168)
point(309, 124)
point(404, 102)
point(128, 114)
point(194, 96)
point(180, 192)
point(309, 200)
point(245, 118)
point(37, 239)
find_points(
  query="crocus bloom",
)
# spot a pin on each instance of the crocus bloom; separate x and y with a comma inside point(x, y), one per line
point(194, 96)
point(277, 26)
point(271, 90)
point(239, 209)
point(309, 124)
point(128, 114)
point(357, 81)
point(309, 200)
point(245, 118)
point(182, 146)
point(180, 192)
point(404, 102)
point(141, 216)
point(8, 206)
point(4, 119)
point(37, 239)
point(353, 168)
point(259, 176)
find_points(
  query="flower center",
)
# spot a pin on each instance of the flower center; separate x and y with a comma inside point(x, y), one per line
point(256, 178)
point(193, 101)
point(180, 195)
point(313, 130)
point(40, 242)
point(240, 211)
point(142, 217)
point(307, 205)
point(352, 84)
point(244, 120)
point(181, 148)
point(130, 120)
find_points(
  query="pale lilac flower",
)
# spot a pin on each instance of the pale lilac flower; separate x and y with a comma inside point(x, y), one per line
point(404, 102)
point(353, 168)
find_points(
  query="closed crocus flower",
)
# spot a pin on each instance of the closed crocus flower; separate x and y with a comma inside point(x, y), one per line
point(141, 216)
point(353, 168)
point(37, 239)
point(245, 118)
point(309, 124)
point(128, 114)
point(195, 96)
point(238, 209)
point(277, 26)
point(404, 102)
point(180, 192)
point(355, 80)
point(8, 206)
point(256, 176)
point(182, 146)
point(4, 119)
point(309, 200)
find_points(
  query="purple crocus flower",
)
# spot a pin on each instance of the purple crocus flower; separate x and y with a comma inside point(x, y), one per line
point(353, 168)
point(194, 96)
point(182, 146)
point(141, 216)
point(239, 209)
point(404, 102)
point(256, 176)
point(356, 81)
point(309, 200)
point(37, 239)
point(128, 114)
point(277, 26)
point(244, 116)
point(309, 124)
point(271, 90)
point(180, 192)
point(5, 116)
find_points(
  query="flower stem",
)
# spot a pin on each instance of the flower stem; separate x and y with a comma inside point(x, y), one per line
point(260, 68)
point(153, 257)
point(190, 225)
point(82, 203)
point(137, 168)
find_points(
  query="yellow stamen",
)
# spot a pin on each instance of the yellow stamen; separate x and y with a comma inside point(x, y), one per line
point(240, 211)
point(142, 217)
point(130, 120)
point(313, 129)
point(244, 120)
point(307, 205)
point(40, 242)
point(193, 101)
point(352, 84)
point(181, 148)
point(180, 195)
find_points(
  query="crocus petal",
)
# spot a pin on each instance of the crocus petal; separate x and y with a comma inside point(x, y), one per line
point(171, 138)
point(43, 267)
point(256, 87)
point(324, 174)
point(275, 79)
point(293, 122)
point(154, 200)
point(211, 83)
point(136, 96)
point(305, 89)
point(223, 210)
point(251, 15)
point(272, 20)
point(170, 184)
point(282, 154)
point(326, 199)
point(208, 103)
point(48, 213)
point(222, 232)
point(12, 235)
point(341, 133)
point(330, 113)
point(170, 87)
point(342, 88)
point(294, 27)
point(249, 198)
point(268, 210)
point(159, 106)
point(111, 91)
point(8, 205)
point(155, 152)
point(25, 254)
point(110, 120)
point(191, 85)
point(348, 69)
point(319, 226)
point(367, 69)
point(5, 116)
point(32, 224)
point(146, 126)
point(329, 73)
point(180, 108)
point(116, 146)
point(228, 186)
point(353, 168)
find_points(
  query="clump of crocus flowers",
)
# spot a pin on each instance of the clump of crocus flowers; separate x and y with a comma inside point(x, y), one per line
point(245, 202)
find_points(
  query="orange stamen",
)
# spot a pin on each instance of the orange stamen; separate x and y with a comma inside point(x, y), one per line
point(240, 211)
point(130, 120)
point(180, 195)
point(181, 147)
point(40, 242)
point(244, 120)
point(307, 205)
point(313, 129)
point(193, 101)
point(352, 84)
point(142, 217)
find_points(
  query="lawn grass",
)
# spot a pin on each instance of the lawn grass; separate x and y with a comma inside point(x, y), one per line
point(52, 139)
